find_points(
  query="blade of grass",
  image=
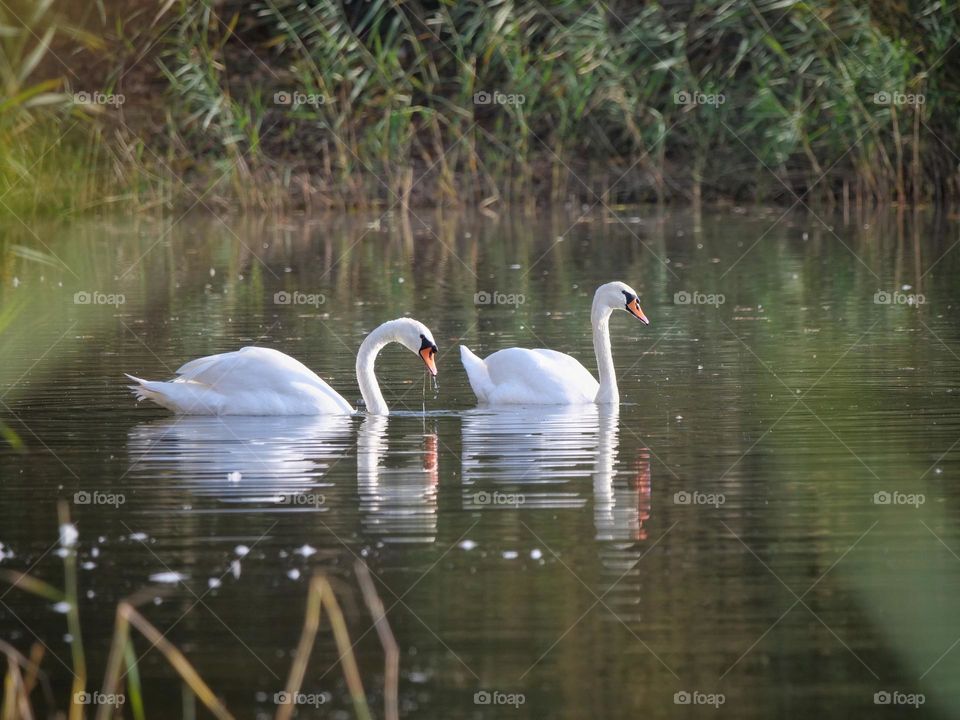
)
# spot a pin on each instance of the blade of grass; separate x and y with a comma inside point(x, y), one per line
point(391, 703)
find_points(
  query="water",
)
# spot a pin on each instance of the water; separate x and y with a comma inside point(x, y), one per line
point(720, 535)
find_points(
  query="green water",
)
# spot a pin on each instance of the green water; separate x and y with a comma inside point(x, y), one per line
point(721, 534)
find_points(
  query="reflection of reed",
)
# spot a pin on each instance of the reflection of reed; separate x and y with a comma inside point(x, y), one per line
point(397, 504)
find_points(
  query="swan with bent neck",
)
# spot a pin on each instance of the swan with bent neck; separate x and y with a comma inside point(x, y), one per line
point(261, 381)
point(517, 376)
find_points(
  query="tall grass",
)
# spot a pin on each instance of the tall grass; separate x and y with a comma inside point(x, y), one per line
point(598, 108)
point(18, 701)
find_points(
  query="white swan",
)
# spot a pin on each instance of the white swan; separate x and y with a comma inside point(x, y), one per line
point(261, 381)
point(517, 376)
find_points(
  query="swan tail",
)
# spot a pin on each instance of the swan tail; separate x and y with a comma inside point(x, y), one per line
point(150, 390)
point(178, 397)
point(476, 372)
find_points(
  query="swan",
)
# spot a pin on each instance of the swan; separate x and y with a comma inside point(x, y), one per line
point(517, 376)
point(261, 381)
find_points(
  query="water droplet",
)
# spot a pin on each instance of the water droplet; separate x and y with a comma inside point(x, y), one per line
point(68, 535)
point(167, 577)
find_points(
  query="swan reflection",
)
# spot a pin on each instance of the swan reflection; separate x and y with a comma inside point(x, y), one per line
point(621, 500)
point(242, 459)
point(539, 458)
point(398, 485)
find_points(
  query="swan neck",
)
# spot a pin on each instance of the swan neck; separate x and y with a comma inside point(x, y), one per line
point(366, 377)
point(600, 317)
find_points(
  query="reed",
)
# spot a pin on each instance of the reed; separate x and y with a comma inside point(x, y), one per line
point(283, 103)
point(122, 671)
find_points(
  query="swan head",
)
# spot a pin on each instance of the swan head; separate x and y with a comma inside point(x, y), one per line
point(620, 296)
point(417, 338)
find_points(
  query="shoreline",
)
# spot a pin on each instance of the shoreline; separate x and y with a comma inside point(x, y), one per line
point(345, 108)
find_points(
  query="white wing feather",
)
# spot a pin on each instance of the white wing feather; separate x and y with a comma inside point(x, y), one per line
point(251, 381)
point(517, 376)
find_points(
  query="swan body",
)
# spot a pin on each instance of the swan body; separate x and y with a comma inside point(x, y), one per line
point(261, 381)
point(517, 376)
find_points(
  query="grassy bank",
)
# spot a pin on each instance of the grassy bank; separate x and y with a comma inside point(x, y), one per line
point(283, 103)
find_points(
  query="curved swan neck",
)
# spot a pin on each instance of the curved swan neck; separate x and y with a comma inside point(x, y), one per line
point(366, 377)
point(600, 317)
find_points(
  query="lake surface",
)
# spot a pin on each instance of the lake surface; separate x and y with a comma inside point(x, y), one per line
point(769, 523)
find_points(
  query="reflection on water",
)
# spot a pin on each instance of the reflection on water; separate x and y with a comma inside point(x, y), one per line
point(528, 547)
point(398, 502)
point(621, 498)
point(241, 459)
point(287, 462)
point(535, 454)
point(541, 457)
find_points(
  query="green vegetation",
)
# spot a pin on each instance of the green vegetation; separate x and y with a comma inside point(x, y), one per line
point(284, 103)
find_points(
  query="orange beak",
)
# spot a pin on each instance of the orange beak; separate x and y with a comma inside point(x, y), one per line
point(428, 354)
point(634, 308)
